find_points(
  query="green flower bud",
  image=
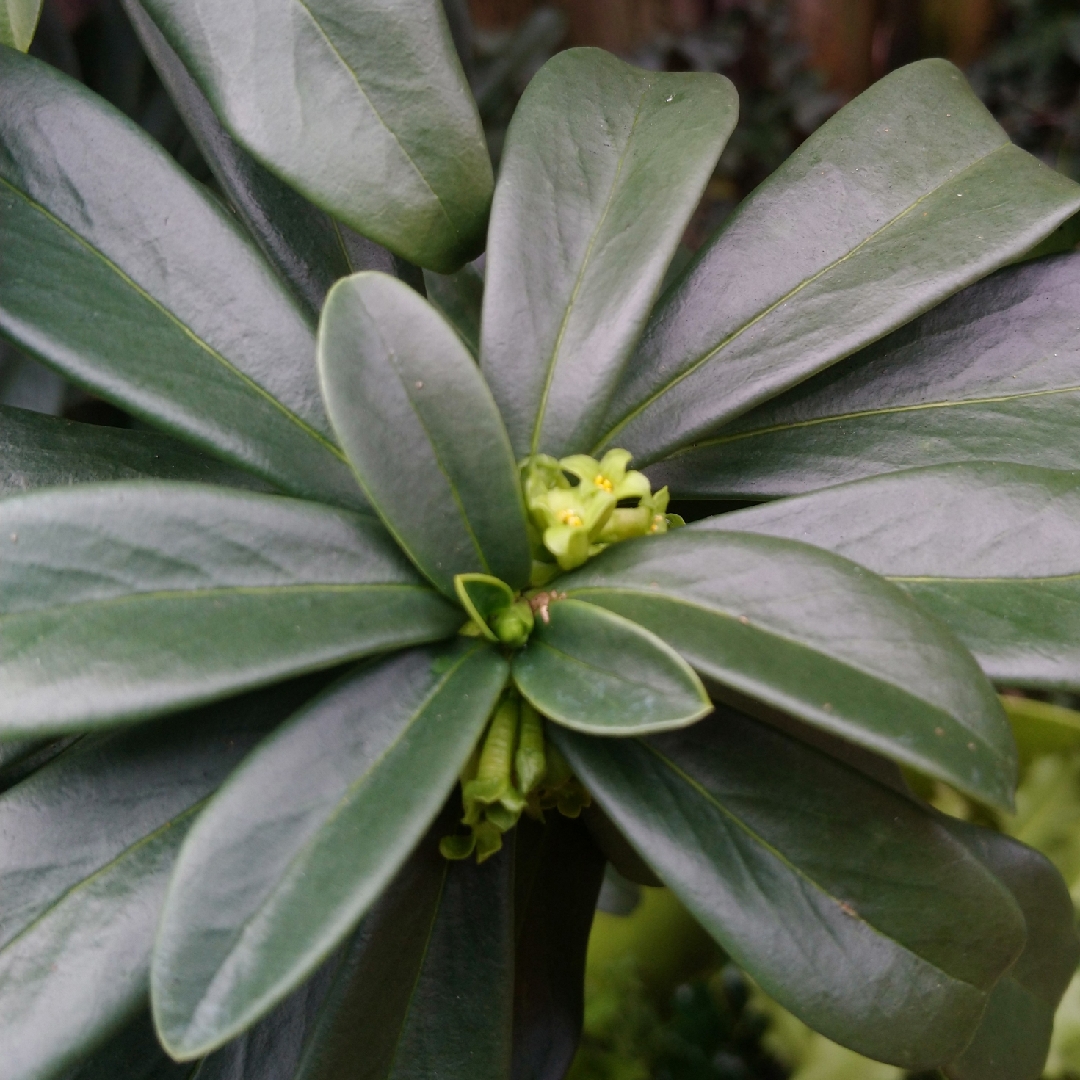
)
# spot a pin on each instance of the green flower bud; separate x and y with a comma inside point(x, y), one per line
point(513, 624)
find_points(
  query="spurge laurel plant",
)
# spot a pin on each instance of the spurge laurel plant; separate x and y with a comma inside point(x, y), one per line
point(324, 705)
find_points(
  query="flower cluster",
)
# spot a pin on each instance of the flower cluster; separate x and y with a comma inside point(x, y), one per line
point(578, 505)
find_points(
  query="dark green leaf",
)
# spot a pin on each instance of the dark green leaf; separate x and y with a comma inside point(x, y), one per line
point(45, 451)
point(459, 297)
point(20, 757)
point(818, 637)
point(990, 374)
point(992, 550)
point(1013, 1039)
point(127, 276)
point(303, 243)
point(89, 842)
point(362, 106)
point(133, 1054)
point(596, 671)
point(557, 880)
point(118, 601)
point(845, 901)
point(422, 432)
point(321, 817)
point(909, 193)
point(603, 166)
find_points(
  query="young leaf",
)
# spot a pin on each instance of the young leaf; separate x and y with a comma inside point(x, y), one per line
point(604, 164)
point(818, 637)
point(89, 842)
point(18, 21)
point(1012, 1041)
point(321, 817)
point(906, 195)
point(989, 374)
point(119, 601)
point(302, 242)
point(45, 451)
point(482, 596)
point(361, 105)
point(992, 550)
point(179, 320)
point(845, 901)
point(557, 880)
point(595, 671)
point(422, 432)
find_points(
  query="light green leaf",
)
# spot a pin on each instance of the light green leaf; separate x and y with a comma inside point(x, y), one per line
point(45, 451)
point(422, 432)
point(1012, 1041)
point(814, 879)
point(819, 638)
point(361, 105)
point(18, 21)
point(321, 818)
point(119, 601)
point(594, 671)
point(604, 164)
point(165, 307)
point(992, 550)
point(990, 375)
point(89, 842)
point(909, 193)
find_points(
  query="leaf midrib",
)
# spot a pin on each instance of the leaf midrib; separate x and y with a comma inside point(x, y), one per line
point(340, 808)
point(213, 353)
point(795, 870)
point(770, 632)
point(706, 357)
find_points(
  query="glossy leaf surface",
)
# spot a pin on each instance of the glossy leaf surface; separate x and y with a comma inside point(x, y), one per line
point(603, 165)
point(301, 241)
point(992, 550)
point(595, 671)
point(362, 107)
point(166, 307)
point(422, 432)
point(815, 880)
point(988, 375)
point(18, 21)
point(1013, 1039)
point(321, 817)
point(909, 193)
point(120, 601)
point(817, 637)
point(89, 842)
point(45, 451)
point(557, 880)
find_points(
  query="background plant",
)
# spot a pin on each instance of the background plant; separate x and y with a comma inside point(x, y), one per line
point(308, 917)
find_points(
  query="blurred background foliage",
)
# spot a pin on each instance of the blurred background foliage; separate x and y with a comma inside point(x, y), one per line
point(662, 1002)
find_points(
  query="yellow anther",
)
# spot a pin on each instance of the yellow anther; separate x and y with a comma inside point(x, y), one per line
point(657, 521)
point(603, 482)
point(569, 517)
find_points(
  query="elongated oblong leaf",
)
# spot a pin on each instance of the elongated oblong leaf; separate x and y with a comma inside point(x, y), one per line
point(846, 902)
point(992, 550)
point(166, 307)
point(362, 106)
point(322, 816)
point(603, 165)
point(45, 451)
point(990, 374)
point(118, 601)
point(818, 637)
point(1012, 1041)
point(89, 842)
point(909, 193)
point(18, 21)
point(301, 241)
point(595, 671)
point(422, 432)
